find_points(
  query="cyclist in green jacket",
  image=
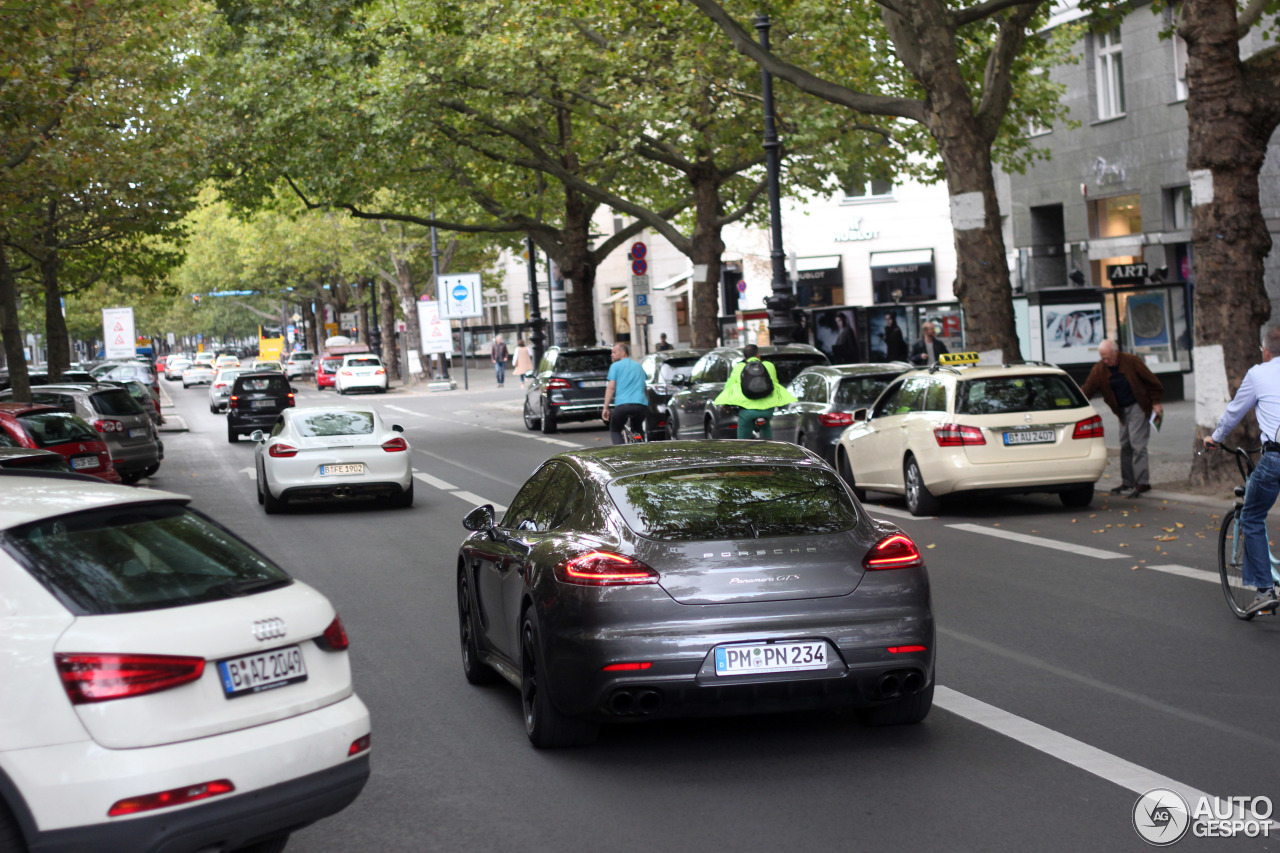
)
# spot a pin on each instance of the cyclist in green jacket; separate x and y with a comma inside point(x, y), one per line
point(750, 408)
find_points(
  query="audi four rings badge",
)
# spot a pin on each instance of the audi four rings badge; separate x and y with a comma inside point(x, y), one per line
point(269, 629)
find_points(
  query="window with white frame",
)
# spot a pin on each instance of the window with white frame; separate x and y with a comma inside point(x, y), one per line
point(1109, 68)
point(1179, 68)
point(871, 190)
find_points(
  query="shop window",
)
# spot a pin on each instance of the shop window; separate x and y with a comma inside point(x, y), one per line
point(869, 191)
point(1177, 208)
point(1179, 68)
point(1115, 216)
point(1109, 73)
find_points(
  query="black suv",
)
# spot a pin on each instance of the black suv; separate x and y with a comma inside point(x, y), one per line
point(665, 373)
point(256, 401)
point(567, 386)
point(694, 413)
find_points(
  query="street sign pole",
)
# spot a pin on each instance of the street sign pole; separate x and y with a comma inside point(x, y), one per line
point(466, 386)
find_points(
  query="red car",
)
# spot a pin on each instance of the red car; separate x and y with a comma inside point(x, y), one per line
point(46, 428)
point(328, 373)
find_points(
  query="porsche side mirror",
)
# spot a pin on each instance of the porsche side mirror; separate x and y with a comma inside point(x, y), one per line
point(397, 428)
point(256, 435)
point(480, 518)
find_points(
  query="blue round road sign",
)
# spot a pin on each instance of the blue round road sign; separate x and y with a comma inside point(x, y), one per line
point(459, 292)
point(639, 266)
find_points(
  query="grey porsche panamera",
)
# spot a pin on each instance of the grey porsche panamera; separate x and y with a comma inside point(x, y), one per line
point(693, 578)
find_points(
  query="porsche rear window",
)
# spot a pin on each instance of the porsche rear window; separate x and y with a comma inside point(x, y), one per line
point(135, 558)
point(335, 423)
point(48, 429)
point(734, 502)
point(1000, 395)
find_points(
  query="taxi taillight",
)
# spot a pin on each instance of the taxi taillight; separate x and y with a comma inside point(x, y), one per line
point(958, 435)
point(1088, 428)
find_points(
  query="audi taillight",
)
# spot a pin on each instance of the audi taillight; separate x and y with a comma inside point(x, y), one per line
point(172, 797)
point(359, 745)
point(895, 551)
point(100, 677)
point(601, 568)
point(559, 384)
point(395, 444)
point(831, 419)
point(334, 638)
point(108, 425)
point(282, 451)
point(958, 435)
point(1088, 428)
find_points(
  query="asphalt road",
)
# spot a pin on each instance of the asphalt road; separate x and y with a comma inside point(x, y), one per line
point(1086, 659)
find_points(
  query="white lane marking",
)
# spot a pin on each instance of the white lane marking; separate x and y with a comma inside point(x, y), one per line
point(547, 439)
point(405, 411)
point(1090, 759)
point(1070, 547)
point(476, 500)
point(456, 464)
point(1188, 572)
point(252, 472)
point(900, 513)
point(435, 481)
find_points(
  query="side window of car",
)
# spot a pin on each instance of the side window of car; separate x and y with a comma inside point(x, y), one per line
point(718, 371)
point(277, 427)
point(562, 498)
point(816, 391)
point(524, 507)
point(884, 406)
point(650, 371)
point(700, 369)
point(911, 396)
point(935, 397)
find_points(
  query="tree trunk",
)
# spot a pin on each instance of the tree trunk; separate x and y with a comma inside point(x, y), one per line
point(362, 311)
point(11, 332)
point(575, 261)
point(311, 322)
point(57, 340)
point(706, 249)
point(387, 323)
point(1228, 132)
point(409, 307)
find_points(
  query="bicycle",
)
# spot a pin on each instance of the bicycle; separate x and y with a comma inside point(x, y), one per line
point(1231, 543)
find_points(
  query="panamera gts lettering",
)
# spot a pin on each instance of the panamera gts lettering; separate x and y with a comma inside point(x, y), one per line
point(779, 579)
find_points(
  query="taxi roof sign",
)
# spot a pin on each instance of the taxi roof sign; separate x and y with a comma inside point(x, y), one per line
point(958, 358)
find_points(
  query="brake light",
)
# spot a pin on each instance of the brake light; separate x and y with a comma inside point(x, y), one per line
point(282, 451)
point(957, 435)
point(334, 638)
point(172, 797)
point(108, 425)
point(601, 568)
point(379, 372)
point(902, 650)
point(234, 402)
point(626, 667)
point(895, 551)
point(559, 384)
point(289, 401)
point(98, 678)
point(219, 385)
point(1088, 428)
point(359, 745)
point(835, 418)
point(346, 373)
point(395, 444)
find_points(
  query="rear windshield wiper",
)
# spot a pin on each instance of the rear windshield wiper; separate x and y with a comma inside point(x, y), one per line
point(244, 587)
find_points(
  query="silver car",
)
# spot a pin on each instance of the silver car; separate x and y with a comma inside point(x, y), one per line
point(122, 423)
point(220, 388)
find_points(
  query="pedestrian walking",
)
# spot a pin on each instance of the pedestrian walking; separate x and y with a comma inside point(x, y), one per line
point(1260, 391)
point(625, 397)
point(522, 365)
point(1134, 393)
point(498, 355)
point(925, 351)
point(662, 345)
point(753, 387)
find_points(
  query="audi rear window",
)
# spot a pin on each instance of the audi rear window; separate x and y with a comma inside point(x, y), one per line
point(733, 502)
point(1000, 395)
point(583, 362)
point(136, 558)
point(48, 429)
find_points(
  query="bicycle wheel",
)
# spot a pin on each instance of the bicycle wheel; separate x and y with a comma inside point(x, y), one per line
point(1231, 566)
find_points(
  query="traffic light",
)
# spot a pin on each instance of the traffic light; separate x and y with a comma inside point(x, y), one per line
point(195, 297)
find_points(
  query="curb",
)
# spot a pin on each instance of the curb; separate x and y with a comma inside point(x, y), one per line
point(174, 423)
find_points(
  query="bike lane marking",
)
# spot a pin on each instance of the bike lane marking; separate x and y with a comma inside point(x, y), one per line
point(1057, 545)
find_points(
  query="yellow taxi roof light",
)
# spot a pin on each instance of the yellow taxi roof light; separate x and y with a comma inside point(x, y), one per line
point(958, 358)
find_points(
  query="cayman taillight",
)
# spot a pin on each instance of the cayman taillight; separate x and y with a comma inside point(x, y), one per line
point(559, 384)
point(895, 551)
point(835, 419)
point(172, 797)
point(108, 425)
point(98, 678)
point(1088, 428)
point(282, 451)
point(957, 435)
point(395, 444)
point(334, 638)
point(601, 568)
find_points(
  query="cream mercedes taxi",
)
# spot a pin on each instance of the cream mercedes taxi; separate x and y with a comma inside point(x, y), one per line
point(962, 427)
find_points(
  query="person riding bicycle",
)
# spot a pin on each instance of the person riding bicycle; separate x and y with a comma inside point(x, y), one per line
point(626, 390)
point(1260, 391)
point(753, 387)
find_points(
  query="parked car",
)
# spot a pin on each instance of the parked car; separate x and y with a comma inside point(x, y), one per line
point(300, 363)
point(126, 427)
point(167, 687)
point(327, 373)
point(568, 385)
point(1012, 429)
point(174, 366)
point(694, 413)
point(256, 401)
point(143, 394)
point(121, 370)
point(826, 397)
point(40, 377)
point(198, 373)
point(361, 372)
point(220, 389)
point(46, 428)
point(690, 578)
point(665, 373)
point(332, 454)
point(29, 459)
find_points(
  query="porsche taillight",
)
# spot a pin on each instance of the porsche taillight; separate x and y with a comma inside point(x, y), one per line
point(895, 551)
point(602, 568)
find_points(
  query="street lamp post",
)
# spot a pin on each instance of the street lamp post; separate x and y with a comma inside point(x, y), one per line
point(782, 326)
point(536, 338)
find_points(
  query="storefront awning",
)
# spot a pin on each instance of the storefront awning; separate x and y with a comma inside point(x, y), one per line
point(672, 282)
point(1126, 246)
point(621, 294)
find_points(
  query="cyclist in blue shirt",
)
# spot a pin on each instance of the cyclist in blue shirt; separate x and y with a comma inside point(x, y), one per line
point(625, 397)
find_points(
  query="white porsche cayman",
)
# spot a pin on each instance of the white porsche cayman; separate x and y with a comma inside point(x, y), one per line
point(332, 453)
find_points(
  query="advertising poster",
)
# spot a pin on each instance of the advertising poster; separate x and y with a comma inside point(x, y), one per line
point(888, 330)
point(1072, 332)
point(435, 332)
point(1148, 320)
point(117, 333)
point(835, 333)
